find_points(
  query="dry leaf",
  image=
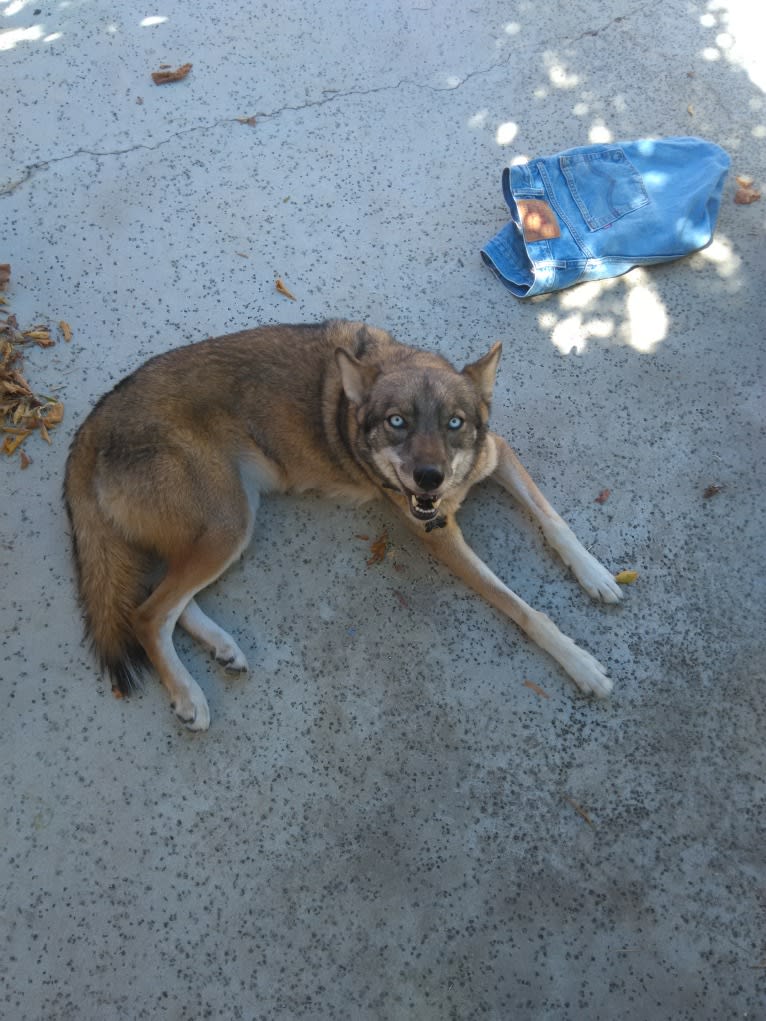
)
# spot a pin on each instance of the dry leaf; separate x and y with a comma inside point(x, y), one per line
point(712, 491)
point(378, 549)
point(40, 335)
point(280, 286)
point(5, 274)
point(626, 577)
point(66, 330)
point(12, 443)
point(21, 410)
point(54, 413)
point(603, 496)
point(747, 192)
point(690, 110)
point(162, 77)
point(401, 599)
point(580, 811)
point(250, 121)
point(536, 688)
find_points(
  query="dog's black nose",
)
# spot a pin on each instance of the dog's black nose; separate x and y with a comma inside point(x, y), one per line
point(428, 478)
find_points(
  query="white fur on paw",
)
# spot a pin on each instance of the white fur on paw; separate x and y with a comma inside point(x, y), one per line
point(586, 671)
point(232, 659)
point(595, 579)
point(192, 709)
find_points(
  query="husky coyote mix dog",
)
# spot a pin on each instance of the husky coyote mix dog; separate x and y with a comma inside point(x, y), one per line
point(164, 478)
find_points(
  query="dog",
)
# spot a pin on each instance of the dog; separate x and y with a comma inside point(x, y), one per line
point(164, 477)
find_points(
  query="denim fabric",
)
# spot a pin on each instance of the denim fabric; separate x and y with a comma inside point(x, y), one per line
point(599, 210)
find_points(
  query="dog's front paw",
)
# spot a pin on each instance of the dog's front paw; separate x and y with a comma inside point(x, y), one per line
point(587, 673)
point(596, 580)
point(592, 575)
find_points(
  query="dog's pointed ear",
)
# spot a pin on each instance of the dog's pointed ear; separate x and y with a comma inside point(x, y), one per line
point(483, 371)
point(356, 377)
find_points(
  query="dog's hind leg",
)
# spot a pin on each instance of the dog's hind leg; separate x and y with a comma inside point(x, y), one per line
point(448, 545)
point(592, 575)
point(223, 647)
point(188, 572)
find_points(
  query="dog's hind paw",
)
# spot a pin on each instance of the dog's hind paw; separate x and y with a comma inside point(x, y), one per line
point(192, 709)
point(232, 660)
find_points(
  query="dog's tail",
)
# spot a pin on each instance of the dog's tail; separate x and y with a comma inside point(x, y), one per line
point(112, 575)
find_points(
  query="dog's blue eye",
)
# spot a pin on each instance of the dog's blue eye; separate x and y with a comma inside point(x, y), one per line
point(456, 422)
point(396, 421)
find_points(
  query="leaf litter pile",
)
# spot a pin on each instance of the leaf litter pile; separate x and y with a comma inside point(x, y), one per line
point(22, 411)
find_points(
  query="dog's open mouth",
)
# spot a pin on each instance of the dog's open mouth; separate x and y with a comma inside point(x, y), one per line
point(424, 507)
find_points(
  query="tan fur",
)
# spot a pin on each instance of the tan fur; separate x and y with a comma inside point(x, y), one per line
point(164, 478)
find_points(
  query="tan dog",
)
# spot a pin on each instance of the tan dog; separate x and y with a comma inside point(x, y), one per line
point(165, 476)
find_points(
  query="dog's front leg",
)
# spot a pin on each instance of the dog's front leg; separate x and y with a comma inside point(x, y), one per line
point(592, 575)
point(448, 545)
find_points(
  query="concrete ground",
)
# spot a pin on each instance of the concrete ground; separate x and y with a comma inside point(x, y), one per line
point(386, 820)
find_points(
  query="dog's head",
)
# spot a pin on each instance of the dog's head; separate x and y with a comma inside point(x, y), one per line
point(422, 425)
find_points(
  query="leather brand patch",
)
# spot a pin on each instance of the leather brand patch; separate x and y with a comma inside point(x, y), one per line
point(538, 220)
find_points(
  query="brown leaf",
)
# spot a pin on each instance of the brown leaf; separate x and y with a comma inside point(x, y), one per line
point(5, 274)
point(54, 413)
point(162, 77)
point(250, 121)
point(378, 549)
point(603, 496)
point(712, 491)
point(12, 443)
point(580, 811)
point(746, 193)
point(536, 688)
point(401, 599)
point(40, 335)
point(26, 460)
point(66, 331)
point(280, 286)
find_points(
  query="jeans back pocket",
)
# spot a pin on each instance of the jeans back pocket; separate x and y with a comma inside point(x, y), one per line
point(604, 184)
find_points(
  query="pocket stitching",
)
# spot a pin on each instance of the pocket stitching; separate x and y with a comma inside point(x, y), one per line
point(598, 223)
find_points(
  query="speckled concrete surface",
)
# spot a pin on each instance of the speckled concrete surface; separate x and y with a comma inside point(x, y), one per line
point(383, 820)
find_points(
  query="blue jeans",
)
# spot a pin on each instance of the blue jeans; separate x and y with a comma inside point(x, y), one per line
point(599, 210)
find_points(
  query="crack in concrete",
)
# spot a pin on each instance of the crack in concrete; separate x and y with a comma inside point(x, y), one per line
point(594, 32)
point(332, 97)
